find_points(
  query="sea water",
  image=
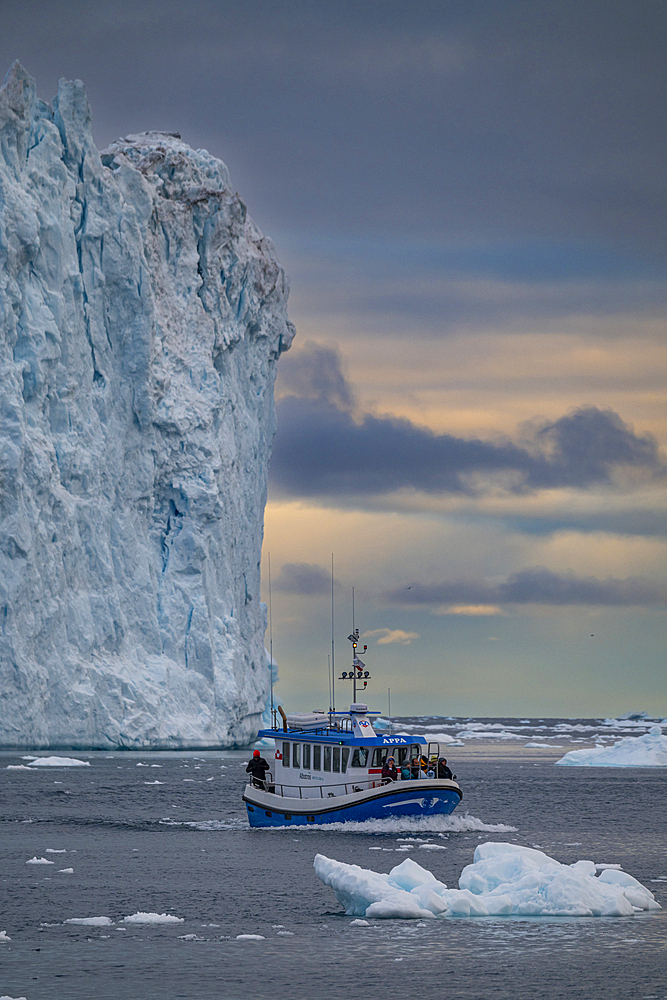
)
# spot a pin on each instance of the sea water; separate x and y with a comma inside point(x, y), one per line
point(221, 911)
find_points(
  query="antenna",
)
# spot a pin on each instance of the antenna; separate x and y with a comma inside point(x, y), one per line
point(271, 644)
point(332, 700)
point(389, 703)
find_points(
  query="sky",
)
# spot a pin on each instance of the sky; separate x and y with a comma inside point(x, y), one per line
point(469, 198)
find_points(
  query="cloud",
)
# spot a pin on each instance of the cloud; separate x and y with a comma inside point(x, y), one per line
point(473, 610)
point(306, 579)
point(385, 636)
point(323, 449)
point(536, 585)
point(315, 372)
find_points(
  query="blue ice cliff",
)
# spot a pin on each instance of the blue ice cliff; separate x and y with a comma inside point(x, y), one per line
point(142, 314)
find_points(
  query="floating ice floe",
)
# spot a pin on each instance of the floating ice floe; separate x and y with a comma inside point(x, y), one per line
point(504, 880)
point(90, 921)
point(58, 762)
point(65, 871)
point(4, 937)
point(649, 750)
point(250, 937)
point(153, 918)
point(39, 861)
point(543, 746)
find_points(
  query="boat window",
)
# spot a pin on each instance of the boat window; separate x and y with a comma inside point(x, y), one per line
point(415, 750)
point(336, 759)
point(317, 753)
point(327, 758)
point(360, 757)
point(285, 754)
point(380, 755)
point(306, 755)
point(402, 756)
point(344, 754)
point(296, 755)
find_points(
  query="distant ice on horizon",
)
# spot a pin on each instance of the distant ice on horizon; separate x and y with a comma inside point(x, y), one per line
point(649, 750)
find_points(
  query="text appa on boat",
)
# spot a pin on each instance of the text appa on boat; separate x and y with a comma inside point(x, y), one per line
point(332, 767)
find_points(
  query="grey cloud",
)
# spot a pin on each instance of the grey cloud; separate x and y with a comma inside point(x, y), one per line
point(475, 119)
point(303, 578)
point(322, 450)
point(536, 585)
point(315, 372)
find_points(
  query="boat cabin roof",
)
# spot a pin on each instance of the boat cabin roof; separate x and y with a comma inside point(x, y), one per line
point(337, 737)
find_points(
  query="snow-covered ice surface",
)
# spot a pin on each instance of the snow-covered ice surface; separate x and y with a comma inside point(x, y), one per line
point(142, 314)
point(649, 750)
point(503, 880)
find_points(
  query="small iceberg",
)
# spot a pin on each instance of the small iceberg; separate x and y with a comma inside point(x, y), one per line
point(649, 750)
point(58, 762)
point(504, 880)
point(153, 918)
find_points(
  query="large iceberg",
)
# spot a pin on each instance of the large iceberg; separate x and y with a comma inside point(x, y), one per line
point(142, 314)
point(649, 750)
point(504, 880)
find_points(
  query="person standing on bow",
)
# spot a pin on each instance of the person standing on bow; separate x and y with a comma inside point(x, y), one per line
point(258, 767)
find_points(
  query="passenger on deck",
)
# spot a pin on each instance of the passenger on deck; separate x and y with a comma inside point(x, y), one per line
point(258, 767)
point(405, 771)
point(443, 770)
point(389, 770)
point(415, 770)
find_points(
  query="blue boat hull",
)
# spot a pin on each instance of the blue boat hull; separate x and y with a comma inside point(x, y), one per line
point(266, 810)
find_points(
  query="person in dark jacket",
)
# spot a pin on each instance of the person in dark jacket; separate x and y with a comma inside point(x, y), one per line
point(443, 770)
point(258, 767)
point(389, 770)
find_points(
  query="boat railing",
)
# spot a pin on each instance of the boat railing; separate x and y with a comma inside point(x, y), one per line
point(322, 791)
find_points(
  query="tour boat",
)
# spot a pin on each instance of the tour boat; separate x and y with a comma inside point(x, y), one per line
point(327, 768)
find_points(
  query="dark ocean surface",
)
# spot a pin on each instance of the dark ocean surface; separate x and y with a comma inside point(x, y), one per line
point(167, 833)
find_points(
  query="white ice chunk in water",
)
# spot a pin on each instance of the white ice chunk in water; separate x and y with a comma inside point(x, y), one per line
point(649, 750)
point(4, 937)
point(153, 918)
point(65, 871)
point(55, 850)
point(59, 762)
point(39, 861)
point(504, 879)
point(90, 921)
point(250, 937)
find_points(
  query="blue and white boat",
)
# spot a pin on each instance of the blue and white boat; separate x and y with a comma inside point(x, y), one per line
point(327, 768)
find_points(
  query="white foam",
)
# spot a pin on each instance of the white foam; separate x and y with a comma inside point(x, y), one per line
point(649, 750)
point(90, 921)
point(39, 861)
point(411, 824)
point(59, 762)
point(504, 879)
point(153, 782)
point(152, 918)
